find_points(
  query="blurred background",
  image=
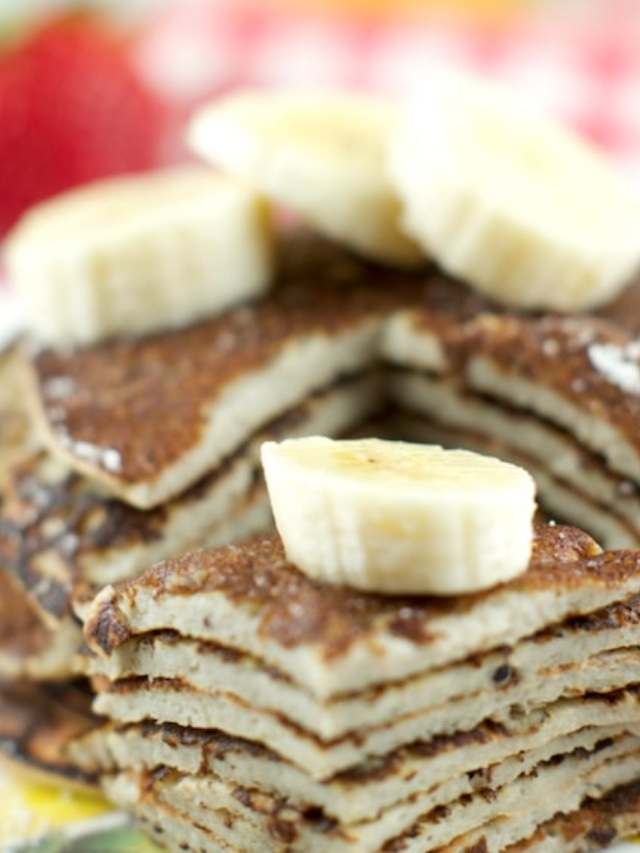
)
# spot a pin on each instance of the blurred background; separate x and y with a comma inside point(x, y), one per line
point(98, 88)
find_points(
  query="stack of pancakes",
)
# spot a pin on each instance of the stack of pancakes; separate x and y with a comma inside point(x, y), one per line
point(249, 707)
point(148, 447)
point(135, 450)
point(253, 708)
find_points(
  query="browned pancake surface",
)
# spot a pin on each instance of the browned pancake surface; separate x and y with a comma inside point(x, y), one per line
point(142, 401)
point(295, 610)
point(551, 352)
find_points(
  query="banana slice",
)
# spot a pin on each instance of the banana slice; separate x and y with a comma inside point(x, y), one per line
point(321, 156)
point(138, 254)
point(399, 518)
point(511, 202)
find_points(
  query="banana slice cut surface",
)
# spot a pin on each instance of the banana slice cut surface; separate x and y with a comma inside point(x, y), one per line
point(320, 155)
point(396, 518)
point(138, 254)
point(512, 202)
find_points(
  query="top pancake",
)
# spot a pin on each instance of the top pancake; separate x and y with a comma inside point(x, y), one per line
point(333, 640)
point(148, 417)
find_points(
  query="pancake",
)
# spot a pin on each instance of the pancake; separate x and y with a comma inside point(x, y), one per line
point(347, 716)
point(198, 394)
point(245, 599)
point(558, 499)
point(51, 509)
point(559, 389)
point(175, 700)
point(596, 823)
point(246, 819)
point(29, 648)
point(446, 766)
point(61, 539)
point(473, 682)
point(572, 481)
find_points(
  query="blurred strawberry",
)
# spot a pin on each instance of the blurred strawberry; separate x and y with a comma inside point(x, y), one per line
point(71, 110)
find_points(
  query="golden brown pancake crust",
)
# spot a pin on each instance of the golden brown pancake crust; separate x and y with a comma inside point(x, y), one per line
point(142, 401)
point(53, 516)
point(295, 610)
point(550, 351)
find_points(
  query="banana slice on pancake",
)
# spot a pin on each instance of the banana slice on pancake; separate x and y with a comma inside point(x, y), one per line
point(510, 201)
point(138, 254)
point(320, 155)
point(398, 518)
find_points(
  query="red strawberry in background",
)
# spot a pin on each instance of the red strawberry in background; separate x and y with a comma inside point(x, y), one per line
point(72, 109)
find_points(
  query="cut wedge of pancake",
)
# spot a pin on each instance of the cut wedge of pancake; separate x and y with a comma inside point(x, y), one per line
point(61, 539)
point(612, 523)
point(330, 652)
point(555, 394)
point(54, 513)
point(197, 394)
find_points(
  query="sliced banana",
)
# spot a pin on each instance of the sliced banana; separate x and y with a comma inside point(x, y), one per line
point(511, 202)
point(320, 155)
point(396, 518)
point(138, 254)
